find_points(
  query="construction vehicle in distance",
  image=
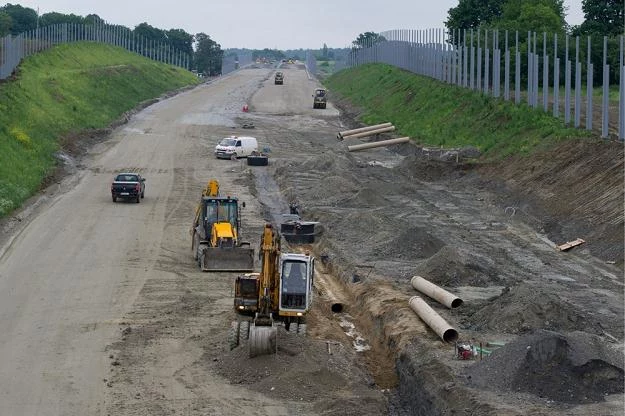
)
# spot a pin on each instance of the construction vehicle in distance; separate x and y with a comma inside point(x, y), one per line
point(281, 292)
point(216, 240)
point(320, 98)
point(279, 78)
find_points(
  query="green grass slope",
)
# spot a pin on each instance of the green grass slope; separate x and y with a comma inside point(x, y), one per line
point(439, 114)
point(65, 90)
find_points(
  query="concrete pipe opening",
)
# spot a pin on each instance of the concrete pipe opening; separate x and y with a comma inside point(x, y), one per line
point(450, 335)
point(337, 307)
point(456, 302)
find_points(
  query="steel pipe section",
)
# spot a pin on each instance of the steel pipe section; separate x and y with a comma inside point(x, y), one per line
point(343, 134)
point(371, 145)
point(433, 320)
point(435, 292)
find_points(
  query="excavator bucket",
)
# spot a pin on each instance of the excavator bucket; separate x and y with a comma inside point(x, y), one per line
point(237, 259)
point(263, 340)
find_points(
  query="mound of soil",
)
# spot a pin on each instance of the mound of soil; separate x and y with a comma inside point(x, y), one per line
point(419, 167)
point(527, 307)
point(574, 368)
point(340, 186)
point(301, 371)
point(411, 243)
point(455, 267)
point(366, 197)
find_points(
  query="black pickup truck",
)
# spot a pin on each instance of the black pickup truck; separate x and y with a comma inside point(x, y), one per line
point(128, 186)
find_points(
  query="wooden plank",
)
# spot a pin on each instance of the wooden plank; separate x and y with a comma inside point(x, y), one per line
point(570, 244)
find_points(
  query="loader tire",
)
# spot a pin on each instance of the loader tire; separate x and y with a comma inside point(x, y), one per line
point(195, 245)
point(244, 330)
point(114, 199)
point(233, 335)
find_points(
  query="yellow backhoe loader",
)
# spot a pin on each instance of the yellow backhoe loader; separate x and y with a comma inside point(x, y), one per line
point(281, 292)
point(216, 241)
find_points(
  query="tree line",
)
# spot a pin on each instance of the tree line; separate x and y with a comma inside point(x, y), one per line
point(206, 54)
point(601, 18)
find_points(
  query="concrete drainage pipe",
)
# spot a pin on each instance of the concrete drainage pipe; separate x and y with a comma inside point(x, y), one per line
point(433, 320)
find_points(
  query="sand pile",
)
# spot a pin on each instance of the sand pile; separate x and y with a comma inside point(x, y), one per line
point(410, 243)
point(452, 267)
point(572, 368)
point(526, 307)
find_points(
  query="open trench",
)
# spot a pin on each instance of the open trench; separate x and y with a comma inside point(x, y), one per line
point(333, 299)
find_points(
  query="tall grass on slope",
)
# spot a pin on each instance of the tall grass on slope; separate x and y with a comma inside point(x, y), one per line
point(67, 89)
point(440, 114)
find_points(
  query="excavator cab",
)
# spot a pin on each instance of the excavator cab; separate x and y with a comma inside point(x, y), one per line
point(246, 288)
point(296, 283)
point(217, 245)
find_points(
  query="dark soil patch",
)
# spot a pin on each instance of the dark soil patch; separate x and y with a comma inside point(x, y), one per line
point(574, 368)
point(453, 267)
point(526, 307)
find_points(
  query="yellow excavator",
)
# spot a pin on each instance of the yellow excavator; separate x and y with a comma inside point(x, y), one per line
point(216, 241)
point(282, 292)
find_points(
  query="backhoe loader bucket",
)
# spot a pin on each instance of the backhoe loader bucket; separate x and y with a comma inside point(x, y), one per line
point(237, 259)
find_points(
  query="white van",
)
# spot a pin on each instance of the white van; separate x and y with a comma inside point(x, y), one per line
point(233, 147)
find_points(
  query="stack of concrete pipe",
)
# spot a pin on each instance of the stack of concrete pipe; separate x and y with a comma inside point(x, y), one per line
point(445, 331)
point(370, 131)
point(365, 131)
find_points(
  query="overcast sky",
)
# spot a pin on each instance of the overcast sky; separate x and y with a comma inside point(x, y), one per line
point(280, 24)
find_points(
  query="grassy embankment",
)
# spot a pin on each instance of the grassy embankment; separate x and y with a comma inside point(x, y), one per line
point(66, 90)
point(438, 114)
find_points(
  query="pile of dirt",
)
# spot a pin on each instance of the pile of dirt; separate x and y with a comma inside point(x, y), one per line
point(420, 166)
point(302, 371)
point(366, 197)
point(340, 187)
point(571, 368)
point(454, 267)
point(526, 307)
point(410, 243)
point(322, 162)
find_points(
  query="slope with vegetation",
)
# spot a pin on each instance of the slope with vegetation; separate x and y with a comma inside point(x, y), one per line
point(443, 115)
point(63, 91)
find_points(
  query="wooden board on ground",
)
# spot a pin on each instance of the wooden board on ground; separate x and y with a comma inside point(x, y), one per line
point(570, 244)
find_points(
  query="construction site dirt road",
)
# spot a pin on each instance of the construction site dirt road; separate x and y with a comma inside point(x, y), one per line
point(103, 310)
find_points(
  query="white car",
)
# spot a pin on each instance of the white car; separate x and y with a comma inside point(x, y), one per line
point(233, 147)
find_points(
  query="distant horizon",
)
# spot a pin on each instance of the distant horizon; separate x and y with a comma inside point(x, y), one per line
point(272, 24)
